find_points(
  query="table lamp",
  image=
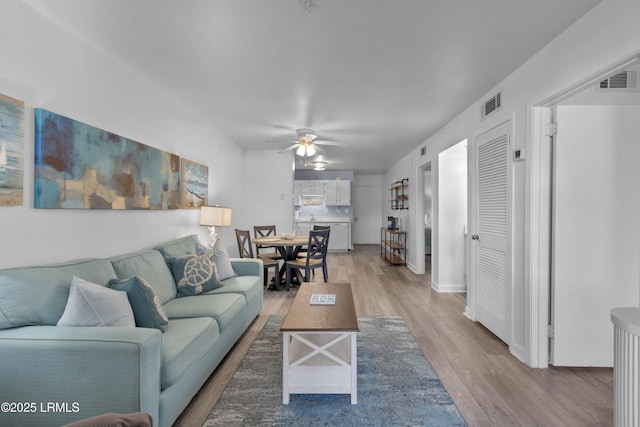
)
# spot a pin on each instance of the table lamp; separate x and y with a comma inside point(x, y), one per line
point(212, 217)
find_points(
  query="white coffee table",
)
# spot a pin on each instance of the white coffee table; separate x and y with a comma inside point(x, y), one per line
point(319, 343)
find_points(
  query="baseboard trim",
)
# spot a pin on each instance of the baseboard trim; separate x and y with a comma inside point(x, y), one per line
point(449, 288)
point(468, 314)
point(519, 353)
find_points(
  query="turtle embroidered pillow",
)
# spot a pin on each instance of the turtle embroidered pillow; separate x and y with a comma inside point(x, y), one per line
point(195, 273)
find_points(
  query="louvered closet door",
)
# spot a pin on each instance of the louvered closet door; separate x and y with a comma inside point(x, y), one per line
point(490, 239)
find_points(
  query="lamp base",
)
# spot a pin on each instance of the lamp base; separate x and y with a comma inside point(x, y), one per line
point(213, 236)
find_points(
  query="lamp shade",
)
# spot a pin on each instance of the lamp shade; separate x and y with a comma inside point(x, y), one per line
point(215, 216)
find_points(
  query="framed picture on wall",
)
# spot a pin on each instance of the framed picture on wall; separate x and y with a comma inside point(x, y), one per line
point(195, 184)
point(11, 151)
point(78, 166)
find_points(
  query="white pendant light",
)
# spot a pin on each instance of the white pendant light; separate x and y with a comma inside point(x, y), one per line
point(306, 150)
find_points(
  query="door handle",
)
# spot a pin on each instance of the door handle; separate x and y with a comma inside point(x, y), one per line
point(475, 237)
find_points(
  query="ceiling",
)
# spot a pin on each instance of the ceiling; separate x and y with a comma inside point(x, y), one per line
point(379, 76)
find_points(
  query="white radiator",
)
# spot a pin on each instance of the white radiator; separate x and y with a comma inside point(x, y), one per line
point(626, 367)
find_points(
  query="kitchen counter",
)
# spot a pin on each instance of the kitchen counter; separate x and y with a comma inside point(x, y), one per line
point(323, 219)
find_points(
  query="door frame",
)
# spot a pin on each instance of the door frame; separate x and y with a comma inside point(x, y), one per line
point(420, 261)
point(538, 210)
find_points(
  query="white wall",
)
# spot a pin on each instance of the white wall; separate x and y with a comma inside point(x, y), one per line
point(269, 193)
point(45, 67)
point(607, 34)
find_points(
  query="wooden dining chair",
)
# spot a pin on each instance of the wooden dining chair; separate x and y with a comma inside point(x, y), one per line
point(316, 257)
point(266, 231)
point(303, 253)
point(244, 248)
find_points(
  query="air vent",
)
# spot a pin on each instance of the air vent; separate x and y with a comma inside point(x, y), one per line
point(491, 105)
point(623, 81)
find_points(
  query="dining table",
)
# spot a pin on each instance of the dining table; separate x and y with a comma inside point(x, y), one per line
point(288, 246)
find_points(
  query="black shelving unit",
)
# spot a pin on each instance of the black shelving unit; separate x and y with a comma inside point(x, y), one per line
point(393, 246)
point(399, 196)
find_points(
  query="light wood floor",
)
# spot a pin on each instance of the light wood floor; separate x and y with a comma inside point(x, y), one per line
point(489, 386)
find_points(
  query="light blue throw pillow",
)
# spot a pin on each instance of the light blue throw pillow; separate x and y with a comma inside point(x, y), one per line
point(195, 273)
point(90, 304)
point(225, 270)
point(147, 308)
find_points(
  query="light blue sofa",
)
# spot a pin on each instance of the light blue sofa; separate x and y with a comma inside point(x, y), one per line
point(53, 375)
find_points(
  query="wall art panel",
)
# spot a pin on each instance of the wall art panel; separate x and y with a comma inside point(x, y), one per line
point(11, 151)
point(195, 184)
point(78, 166)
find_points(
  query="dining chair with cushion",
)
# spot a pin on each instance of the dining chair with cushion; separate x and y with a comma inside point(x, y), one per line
point(303, 253)
point(244, 248)
point(266, 231)
point(316, 257)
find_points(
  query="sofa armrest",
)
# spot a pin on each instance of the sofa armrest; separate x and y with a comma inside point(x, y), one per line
point(247, 266)
point(56, 375)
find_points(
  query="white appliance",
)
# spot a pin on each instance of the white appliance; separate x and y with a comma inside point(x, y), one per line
point(339, 237)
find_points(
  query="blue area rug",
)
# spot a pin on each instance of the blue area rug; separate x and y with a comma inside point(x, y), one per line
point(396, 385)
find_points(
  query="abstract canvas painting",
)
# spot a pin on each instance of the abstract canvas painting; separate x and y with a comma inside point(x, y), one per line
point(11, 151)
point(195, 184)
point(78, 166)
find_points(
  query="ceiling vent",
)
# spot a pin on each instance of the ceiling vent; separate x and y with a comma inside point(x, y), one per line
point(621, 82)
point(492, 105)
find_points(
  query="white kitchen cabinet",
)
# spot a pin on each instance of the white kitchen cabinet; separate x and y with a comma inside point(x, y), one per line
point(338, 193)
point(312, 188)
point(297, 193)
point(302, 188)
point(302, 228)
point(339, 239)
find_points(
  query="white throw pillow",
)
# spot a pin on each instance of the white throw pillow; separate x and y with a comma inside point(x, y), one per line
point(223, 263)
point(90, 304)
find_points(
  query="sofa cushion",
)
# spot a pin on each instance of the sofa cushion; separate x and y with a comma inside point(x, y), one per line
point(152, 267)
point(223, 307)
point(146, 305)
point(37, 295)
point(95, 305)
point(225, 269)
point(178, 247)
point(249, 286)
point(195, 273)
point(184, 343)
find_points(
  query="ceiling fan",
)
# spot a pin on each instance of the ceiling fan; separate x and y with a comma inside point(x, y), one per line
point(307, 143)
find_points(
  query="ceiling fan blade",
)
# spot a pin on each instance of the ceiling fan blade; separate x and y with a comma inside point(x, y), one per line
point(282, 141)
point(329, 142)
point(291, 147)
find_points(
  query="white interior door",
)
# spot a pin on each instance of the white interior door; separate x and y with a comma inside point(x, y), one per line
point(595, 229)
point(366, 215)
point(490, 238)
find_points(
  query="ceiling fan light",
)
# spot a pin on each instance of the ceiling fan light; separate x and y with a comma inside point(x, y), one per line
point(319, 166)
point(311, 150)
point(301, 150)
